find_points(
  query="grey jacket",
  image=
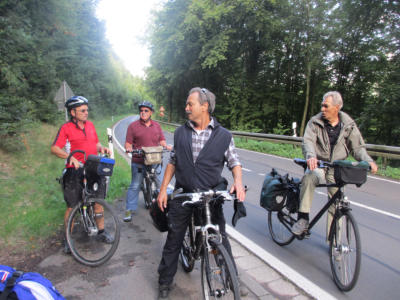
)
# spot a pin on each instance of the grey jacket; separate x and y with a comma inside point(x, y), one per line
point(316, 140)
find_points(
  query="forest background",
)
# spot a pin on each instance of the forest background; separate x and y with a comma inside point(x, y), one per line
point(268, 62)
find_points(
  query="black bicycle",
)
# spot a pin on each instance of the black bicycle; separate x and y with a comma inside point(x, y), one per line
point(203, 240)
point(344, 237)
point(153, 166)
point(93, 215)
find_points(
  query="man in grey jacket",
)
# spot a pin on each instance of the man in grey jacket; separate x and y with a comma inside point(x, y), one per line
point(330, 135)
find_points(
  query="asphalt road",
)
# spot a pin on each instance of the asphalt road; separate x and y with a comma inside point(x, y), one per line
point(376, 207)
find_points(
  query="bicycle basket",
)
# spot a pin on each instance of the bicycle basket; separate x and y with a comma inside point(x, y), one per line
point(348, 172)
point(273, 192)
point(152, 155)
point(98, 165)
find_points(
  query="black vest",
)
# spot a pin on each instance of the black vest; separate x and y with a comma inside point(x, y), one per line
point(205, 174)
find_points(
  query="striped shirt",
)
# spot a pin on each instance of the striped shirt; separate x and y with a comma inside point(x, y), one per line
point(200, 138)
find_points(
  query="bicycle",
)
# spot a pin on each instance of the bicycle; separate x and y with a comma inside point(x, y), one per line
point(344, 238)
point(150, 183)
point(93, 214)
point(204, 241)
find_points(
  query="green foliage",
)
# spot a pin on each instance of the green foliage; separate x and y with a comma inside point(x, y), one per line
point(44, 43)
point(270, 62)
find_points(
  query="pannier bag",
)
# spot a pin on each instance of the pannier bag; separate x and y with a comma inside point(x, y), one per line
point(349, 172)
point(273, 192)
point(152, 155)
point(26, 286)
point(278, 191)
point(99, 165)
point(160, 218)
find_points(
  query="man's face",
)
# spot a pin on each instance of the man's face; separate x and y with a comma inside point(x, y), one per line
point(329, 111)
point(145, 113)
point(194, 110)
point(80, 113)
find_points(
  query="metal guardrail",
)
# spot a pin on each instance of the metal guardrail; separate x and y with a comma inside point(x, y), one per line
point(391, 152)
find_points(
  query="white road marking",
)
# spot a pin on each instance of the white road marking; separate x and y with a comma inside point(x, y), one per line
point(261, 174)
point(244, 169)
point(301, 281)
point(367, 207)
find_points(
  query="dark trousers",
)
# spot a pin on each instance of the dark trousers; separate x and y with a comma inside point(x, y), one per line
point(179, 218)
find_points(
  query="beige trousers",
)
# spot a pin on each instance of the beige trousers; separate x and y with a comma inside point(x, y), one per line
point(310, 180)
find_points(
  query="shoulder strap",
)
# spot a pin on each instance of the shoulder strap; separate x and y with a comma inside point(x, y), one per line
point(10, 284)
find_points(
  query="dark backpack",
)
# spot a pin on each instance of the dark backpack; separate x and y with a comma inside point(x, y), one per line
point(25, 286)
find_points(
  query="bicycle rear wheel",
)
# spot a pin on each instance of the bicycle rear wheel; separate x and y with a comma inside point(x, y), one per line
point(345, 251)
point(186, 254)
point(87, 246)
point(218, 275)
point(279, 225)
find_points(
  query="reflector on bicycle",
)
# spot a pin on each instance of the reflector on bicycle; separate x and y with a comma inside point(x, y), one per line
point(349, 172)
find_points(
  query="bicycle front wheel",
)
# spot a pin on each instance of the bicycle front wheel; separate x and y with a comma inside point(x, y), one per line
point(87, 245)
point(218, 275)
point(280, 224)
point(186, 254)
point(345, 251)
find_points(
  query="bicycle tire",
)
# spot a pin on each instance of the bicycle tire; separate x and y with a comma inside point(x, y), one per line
point(89, 249)
point(345, 251)
point(279, 225)
point(187, 250)
point(218, 274)
point(147, 192)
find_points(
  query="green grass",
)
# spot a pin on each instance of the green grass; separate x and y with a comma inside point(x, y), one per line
point(31, 203)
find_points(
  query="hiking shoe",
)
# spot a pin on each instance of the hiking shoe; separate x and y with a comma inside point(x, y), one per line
point(128, 216)
point(300, 227)
point(105, 237)
point(164, 291)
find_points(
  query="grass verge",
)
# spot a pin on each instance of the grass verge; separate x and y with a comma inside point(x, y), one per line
point(31, 203)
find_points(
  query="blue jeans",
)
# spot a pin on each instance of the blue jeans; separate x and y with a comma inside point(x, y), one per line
point(132, 196)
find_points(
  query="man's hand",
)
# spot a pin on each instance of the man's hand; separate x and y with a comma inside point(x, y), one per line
point(76, 163)
point(168, 147)
point(162, 199)
point(312, 163)
point(105, 150)
point(374, 167)
point(240, 191)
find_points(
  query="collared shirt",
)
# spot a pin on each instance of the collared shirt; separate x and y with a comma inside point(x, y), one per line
point(333, 132)
point(80, 139)
point(200, 138)
point(139, 135)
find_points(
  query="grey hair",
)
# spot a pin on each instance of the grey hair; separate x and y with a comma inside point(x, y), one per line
point(205, 96)
point(336, 98)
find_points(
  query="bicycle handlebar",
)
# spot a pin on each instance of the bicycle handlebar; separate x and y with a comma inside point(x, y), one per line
point(76, 151)
point(321, 163)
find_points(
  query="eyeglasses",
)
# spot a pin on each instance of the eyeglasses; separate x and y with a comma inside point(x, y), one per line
point(144, 110)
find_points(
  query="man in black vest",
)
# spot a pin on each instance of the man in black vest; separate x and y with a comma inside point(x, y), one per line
point(201, 148)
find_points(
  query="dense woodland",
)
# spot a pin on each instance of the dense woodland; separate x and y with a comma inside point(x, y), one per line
point(42, 43)
point(268, 61)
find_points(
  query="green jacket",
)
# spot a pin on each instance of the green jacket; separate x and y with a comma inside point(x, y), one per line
point(316, 140)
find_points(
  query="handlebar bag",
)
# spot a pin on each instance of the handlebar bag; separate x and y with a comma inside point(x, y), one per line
point(349, 172)
point(152, 155)
point(99, 165)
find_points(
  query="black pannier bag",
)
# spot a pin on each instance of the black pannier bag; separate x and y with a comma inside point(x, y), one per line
point(349, 172)
point(278, 191)
point(99, 165)
point(160, 218)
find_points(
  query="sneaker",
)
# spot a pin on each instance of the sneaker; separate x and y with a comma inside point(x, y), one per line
point(164, 291)
point(128, 216)
point(300, 227)
point(105, 237)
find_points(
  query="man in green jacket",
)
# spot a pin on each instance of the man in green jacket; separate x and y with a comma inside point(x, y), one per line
point(330, 135)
